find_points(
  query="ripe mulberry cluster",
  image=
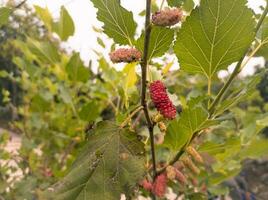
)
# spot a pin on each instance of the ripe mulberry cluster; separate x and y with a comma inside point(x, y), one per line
point(160, 185)
point(161, 100)
point(167, 17)
point(126, 55)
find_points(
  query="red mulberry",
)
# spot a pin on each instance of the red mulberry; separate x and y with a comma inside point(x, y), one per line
point(160, 185)
point(146, 185)
point(167, 17)
point(161, 100)
point(127, 55)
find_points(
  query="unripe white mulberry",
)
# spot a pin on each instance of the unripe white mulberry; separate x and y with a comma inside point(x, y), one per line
point(171, 172)
point(195, 155)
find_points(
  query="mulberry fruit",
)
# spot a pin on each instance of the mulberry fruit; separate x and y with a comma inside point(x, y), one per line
point(180, 177)
point(161, 100)
point(146, 185)
point(160, 185)
point(195, 155)
point(190, 165)
point(171, 172)
point(126, 55)
point(167, 17)
point(162, 127)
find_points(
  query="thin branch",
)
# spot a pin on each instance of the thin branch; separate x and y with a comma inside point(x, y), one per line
point(144, 65)
point(134, 112)
point(20, 4)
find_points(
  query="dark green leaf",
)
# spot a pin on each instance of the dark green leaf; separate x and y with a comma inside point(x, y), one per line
point(118, 22)
point(180, 132)
point(109, 165)
point(214, 36)
point(175, 3)
point(160, 41)
point(188, 5)
point(89, 112)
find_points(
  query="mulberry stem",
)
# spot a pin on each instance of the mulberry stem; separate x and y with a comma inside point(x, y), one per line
point(144, 65)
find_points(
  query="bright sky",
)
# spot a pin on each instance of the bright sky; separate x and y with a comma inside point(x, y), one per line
point(84, 15)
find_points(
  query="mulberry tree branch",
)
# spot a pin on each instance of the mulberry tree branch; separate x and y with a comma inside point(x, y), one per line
point(144, 65)
point(218, 98)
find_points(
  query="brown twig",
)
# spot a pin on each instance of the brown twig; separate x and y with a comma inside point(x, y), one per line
point(20, 4)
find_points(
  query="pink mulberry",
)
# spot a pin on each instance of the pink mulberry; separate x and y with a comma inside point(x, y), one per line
point(160, 185)
point(127, 55)
point(161, 100)
point(180, 177)
point(146, 185)
point(167, 17)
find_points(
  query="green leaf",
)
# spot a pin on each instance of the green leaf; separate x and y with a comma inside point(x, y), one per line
point(39, 104)
point(118, 22)
point(219, 177)
point(100, 42)
point(89, 112)
point(4, 15)
point(76, 70)
point(188, 5)
point(45, 16)
point(129, 81)
point(3, 74)
point(44, 51)
point(256, 149)
point(180, 132)
point(175, 3)
point(65, 26)
point(110, 164)
point(263, 36)
point(25, 65)
point(215, 35)
point(131, 77)
point(160, 41)
point(241, 93)
point(64, 93)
